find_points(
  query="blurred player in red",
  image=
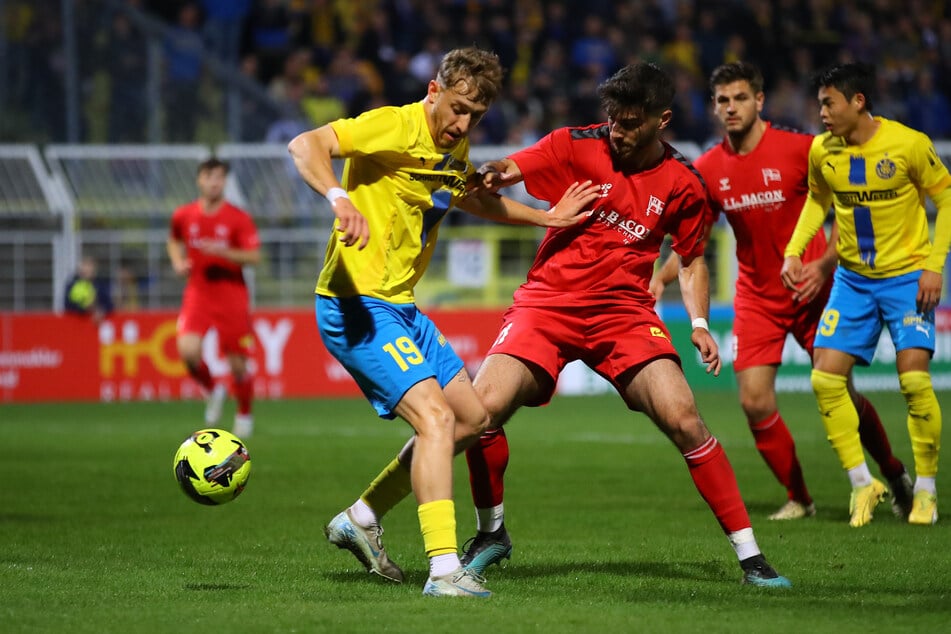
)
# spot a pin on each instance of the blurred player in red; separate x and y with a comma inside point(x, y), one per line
point(757, 178)
point(209, 243)
point(587, 298)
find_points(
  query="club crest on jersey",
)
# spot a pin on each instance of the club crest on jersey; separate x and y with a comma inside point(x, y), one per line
point(604, 189)
point(654, 206)
point(771, 175)
point(725, 184)
point(885, 168)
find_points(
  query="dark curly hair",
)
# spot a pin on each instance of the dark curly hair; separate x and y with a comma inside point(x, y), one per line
point(637, 86)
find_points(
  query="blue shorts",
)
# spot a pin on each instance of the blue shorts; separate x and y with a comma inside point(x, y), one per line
point(858, 308)
point(387, 348)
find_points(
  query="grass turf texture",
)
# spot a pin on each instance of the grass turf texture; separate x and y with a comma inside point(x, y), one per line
point(609, 532)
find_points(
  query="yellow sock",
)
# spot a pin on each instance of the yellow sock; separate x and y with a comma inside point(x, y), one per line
point(388, 489)
point(839, 416)
point(437, 521)
point(924, 421)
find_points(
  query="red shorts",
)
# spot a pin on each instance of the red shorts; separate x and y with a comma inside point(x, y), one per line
point(235, 333)
point(760, 329)
point(608, 340)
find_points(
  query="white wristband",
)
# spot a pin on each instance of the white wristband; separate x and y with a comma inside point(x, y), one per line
point(334, 193)
point(700, 322)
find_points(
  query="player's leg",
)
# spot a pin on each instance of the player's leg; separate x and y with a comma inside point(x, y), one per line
point(913, 334)
point(242, 386)
point(830, 384)
point(924, 428)
point(757, 391)
point(236, 340)
point(403, 369)
point(426, 409)
point(871, 431)
point(659, 389)
point(847, 333)
point(504, 383)
point(875, 440)
point(521, 368)
point(760, 330)
point(191, 327)
point(393, 484)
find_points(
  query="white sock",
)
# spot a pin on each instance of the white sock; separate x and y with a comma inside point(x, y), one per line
point(744, 543)
point(362, 514)
point(925, 484)
point(443, 564)
point(860, 476)
point(490, 519)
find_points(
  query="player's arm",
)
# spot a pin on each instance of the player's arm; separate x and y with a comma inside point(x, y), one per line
point(930, 282)
point(809, 223)
point(695, 288)
point(176, 254)
point(243, 257)
point(664, 275)
point(566, 212)
point(313, 153)
point(815, 273)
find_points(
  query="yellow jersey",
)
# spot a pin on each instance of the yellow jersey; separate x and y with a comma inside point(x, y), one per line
point(878, 190)
point(397, 178)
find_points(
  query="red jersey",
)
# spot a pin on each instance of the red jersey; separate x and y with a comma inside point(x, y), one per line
point(762, 194)
point(609, 257)
point(214, 277)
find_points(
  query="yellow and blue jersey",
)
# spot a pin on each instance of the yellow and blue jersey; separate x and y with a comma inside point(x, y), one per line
point(403, 185)
point(878, 190)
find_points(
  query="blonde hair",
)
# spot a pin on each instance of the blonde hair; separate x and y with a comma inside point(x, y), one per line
point(471, 70)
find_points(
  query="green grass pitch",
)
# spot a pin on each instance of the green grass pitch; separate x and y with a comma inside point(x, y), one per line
point(609, 533)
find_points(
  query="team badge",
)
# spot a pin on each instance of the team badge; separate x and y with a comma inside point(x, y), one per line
point(885, 168)
point(725, 184)
point(654, 206)
point(771, 175)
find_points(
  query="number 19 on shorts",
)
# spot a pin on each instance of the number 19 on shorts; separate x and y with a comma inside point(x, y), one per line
point(404, 352)
point(830, 319)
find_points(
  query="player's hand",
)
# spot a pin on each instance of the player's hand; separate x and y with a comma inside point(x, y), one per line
point(570, 209)
point(216, 250)
point(812, 278)
point(351, 227)
point(492, 176)
point(791, 272)
point(929, 291)
point(709, 351)
point(183, 268)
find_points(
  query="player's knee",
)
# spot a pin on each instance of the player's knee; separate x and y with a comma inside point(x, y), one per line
point(496, 405)
point(686, 429)
point(471, 427)
point(916, 387)
point(756, 406)
point(828, 387)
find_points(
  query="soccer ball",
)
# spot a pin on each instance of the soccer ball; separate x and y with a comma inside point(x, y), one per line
point(212, 466)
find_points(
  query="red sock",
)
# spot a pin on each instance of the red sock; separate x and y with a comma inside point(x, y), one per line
point(202, 375)
point(487, 460)
point(875, 440)
point(776, 445)
point(716, 482)
point(243, 389)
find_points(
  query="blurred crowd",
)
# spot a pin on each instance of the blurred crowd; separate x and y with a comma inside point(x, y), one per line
point(322, 59)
